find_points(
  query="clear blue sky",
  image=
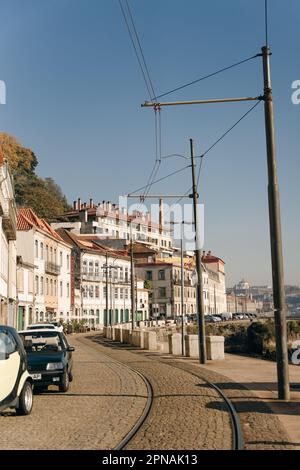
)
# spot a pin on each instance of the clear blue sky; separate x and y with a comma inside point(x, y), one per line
point(74, 91)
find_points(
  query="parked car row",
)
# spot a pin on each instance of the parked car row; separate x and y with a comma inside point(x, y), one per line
point(32, 359)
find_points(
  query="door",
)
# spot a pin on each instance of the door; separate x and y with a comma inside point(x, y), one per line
point(21, 318)
point(9, 364)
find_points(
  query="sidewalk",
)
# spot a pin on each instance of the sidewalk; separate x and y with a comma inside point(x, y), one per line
point(260, 377)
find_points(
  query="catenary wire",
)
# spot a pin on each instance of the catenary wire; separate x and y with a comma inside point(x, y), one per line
point(224, 135)
point(155, 98)
point(161, 179)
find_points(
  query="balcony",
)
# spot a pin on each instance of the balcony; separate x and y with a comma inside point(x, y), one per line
point(86, 276)
point(9, 218)
point(52, 268)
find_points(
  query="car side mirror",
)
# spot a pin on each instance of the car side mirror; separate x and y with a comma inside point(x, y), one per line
point(70, 349)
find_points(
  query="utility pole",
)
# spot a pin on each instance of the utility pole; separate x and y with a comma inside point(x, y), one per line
point(275, 235)
point(106, 292)
point(132, 281)
point(182, 292)
point(198, 252)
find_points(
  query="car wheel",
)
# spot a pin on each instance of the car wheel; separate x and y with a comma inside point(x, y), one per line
point(25, 400)
point(71, 377)
point(64, 386)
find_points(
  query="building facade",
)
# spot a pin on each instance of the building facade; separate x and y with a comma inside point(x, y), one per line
point(8, 253)
point(101, 281)
point(47, 256)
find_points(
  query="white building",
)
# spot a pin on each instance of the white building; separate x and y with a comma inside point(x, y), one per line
point(40, 247)
point(8, 254)
point(91, 282)
point(110, 221)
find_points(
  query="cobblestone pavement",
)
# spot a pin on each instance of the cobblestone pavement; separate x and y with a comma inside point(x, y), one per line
point(261, 427)
point(103, 403)
point(181, 416)
point(262, 430)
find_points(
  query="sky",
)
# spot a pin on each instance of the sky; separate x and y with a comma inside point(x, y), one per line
point(74, 90)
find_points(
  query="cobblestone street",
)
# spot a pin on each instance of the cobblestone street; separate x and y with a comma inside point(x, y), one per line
point(102, 404)
point(105, 401)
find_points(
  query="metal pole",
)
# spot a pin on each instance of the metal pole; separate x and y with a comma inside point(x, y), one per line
point(199, 287)
point(149, 104)
point(182, 293)
point(275, 237)
point(132, 281)
point(106, 293)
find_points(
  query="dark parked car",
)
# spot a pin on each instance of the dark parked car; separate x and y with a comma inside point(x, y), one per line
point(49, 358)
point(15, 381)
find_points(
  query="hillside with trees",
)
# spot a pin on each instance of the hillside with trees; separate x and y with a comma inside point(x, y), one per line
point(43, 195)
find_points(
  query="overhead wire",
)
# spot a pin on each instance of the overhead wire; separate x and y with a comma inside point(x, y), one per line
point(155, 98)
point(223, 136)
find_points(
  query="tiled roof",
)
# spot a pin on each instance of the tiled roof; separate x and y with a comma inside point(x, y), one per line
point(27, 220)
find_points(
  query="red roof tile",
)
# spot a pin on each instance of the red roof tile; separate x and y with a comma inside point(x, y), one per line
point(27, 220)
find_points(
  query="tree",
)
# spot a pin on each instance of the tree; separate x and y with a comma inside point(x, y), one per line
point(44, 196)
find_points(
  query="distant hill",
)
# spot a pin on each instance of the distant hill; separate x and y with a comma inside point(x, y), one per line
point(43, 195)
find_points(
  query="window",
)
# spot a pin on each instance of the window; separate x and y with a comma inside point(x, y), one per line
point(42, 286)
point(161, 275)
point(104, 291)
point(55, 288)
point(68, 261)
point(36, 249)
point(126, 294)
point(91, 267)
point(7, 345)
point(47, 253)
point(162, 292)
point(51, 286)
point(84, 267)
point(61, 258)
point(36, 285)
point(68, 290)
point(116, 293)
point(96, 268)
point(121, 274)
point(91, 292)
point(126, 274)
point(84, 291)
point(97, 292)
point(47, 286)
point(149, 275)
point(54, 255)
point(42, 250)
point(51, 254)
point(61, 288)
point(121, 293)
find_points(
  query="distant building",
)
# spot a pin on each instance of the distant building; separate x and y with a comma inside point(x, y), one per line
point(163, 278)
point(112, 222)
point(8, 252)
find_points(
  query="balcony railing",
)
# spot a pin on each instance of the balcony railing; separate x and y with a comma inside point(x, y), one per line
point(52, 268)
point(9, 218)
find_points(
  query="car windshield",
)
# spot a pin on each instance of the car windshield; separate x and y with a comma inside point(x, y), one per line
point(41, 342)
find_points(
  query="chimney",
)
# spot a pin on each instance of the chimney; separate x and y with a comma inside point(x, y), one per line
point(79, 204)
point(74, 205)
point(91, 203)
point(161, 213)
point(84, 205)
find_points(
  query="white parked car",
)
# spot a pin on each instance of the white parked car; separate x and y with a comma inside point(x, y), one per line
point(15, 382)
